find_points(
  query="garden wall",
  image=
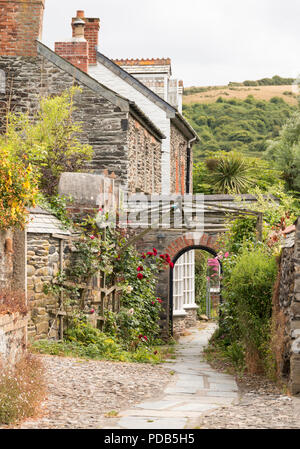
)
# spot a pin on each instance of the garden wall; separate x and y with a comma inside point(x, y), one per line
point(286, 312)
point(13, 338)
point(13, 324)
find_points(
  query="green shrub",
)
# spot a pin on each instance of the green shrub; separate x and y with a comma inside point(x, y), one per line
point(248, 290)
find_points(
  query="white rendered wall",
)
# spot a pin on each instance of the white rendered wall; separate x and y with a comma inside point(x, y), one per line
point(156, 114)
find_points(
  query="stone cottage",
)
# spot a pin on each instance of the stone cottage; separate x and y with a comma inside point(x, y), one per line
point(148, 83)
point(123, 137)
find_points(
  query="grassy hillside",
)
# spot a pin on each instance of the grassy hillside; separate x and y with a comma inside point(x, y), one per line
point(243, 125)
point(210, 94)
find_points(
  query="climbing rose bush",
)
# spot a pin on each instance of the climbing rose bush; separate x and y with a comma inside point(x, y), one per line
point(138, 321)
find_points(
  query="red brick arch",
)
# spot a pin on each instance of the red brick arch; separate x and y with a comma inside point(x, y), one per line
point(191, 239)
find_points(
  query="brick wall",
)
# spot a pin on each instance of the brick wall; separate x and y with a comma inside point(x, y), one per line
point(21, 24)
point(77, 53)
point(91, 34)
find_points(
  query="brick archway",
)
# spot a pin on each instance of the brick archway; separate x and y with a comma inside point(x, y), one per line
point(191, 239)
point(173, 242)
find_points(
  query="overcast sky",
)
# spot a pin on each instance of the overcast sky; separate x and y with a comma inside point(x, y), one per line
point(209, 41)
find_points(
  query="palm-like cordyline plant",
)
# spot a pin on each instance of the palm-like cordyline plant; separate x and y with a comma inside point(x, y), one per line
point(231, 173)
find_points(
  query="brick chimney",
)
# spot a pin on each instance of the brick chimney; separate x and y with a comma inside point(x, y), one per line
point(21, 24)
point(91, 34)
point(75, 50)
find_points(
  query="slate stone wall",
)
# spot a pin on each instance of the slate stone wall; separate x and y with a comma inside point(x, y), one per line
point(178, 162)
point(104, 124)
point(286, 315)
point(145, 160)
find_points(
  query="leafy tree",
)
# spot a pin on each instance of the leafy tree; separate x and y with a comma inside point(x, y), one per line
point(285, 153)
point(48, 140)
point(240, 125)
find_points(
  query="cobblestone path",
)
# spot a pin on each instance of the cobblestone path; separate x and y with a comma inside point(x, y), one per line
point(111, 395)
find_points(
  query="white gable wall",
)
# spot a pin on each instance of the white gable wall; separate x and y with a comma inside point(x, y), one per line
point(156, 114)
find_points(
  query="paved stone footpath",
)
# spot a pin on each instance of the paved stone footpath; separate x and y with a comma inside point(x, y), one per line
point(81, 393)
point(188, 393)
point(196, 388)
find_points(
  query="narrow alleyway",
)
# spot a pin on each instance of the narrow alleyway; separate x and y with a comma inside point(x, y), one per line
point(183, 393)
point(196, 388)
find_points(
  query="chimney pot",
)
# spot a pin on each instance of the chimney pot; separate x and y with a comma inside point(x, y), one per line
point(80, 14)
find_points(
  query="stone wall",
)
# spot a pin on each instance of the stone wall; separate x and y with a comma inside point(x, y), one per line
point(13, 338)
point(6, 258)
point(104, 124)
point(286, 313)
point(13, 326)
point(43, 263)
point(145, 160)
point(178, 162)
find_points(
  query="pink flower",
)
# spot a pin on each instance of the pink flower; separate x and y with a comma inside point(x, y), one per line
point(208, 278)
point(153, 303)
point(92, 237)
point(159, 300)
point(226, 254)
point(92, 311)
point(145, 338)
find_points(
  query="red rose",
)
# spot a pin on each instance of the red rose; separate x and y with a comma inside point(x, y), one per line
point(92, 237)
point(145, 338)
point(171, 264)
point(140, 268)
point(92, 311)
point(140, 276)
point(154, 252)
point(149, 253)
point(162, 256)
point(144, 256)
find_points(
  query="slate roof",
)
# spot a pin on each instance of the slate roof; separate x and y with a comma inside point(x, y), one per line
point(42, 222)
point(173, 113)
point(123, 103)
